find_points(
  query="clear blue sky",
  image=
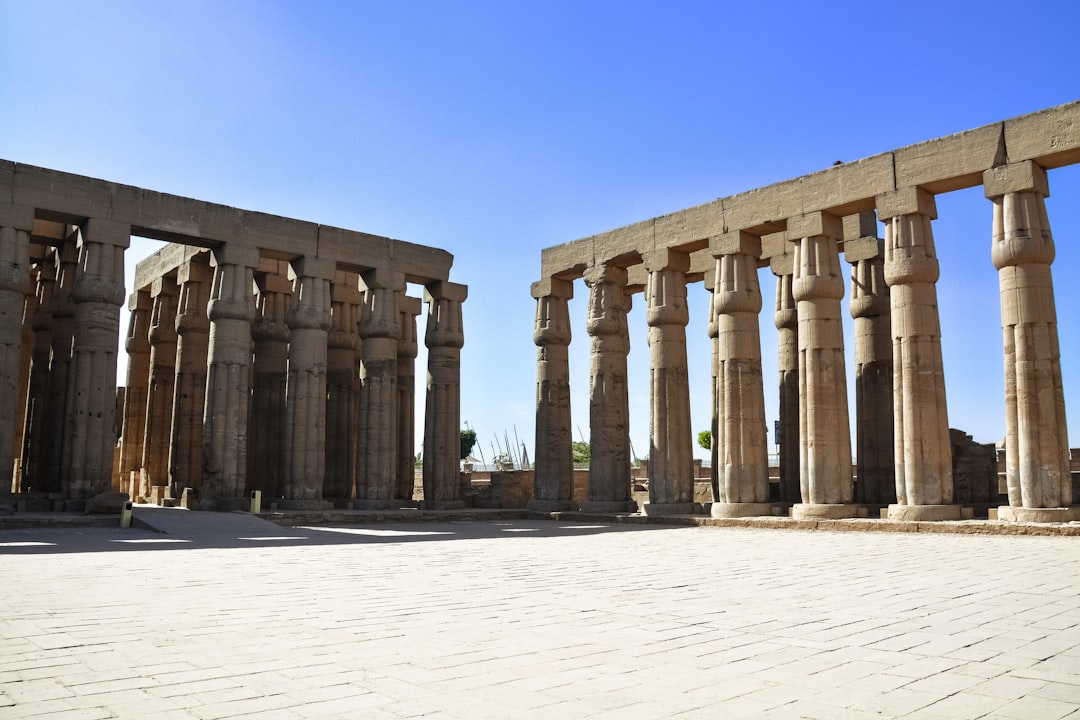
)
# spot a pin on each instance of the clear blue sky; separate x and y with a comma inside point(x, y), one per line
point(495, 129)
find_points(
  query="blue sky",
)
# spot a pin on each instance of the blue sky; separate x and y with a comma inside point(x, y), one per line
point(495, 129)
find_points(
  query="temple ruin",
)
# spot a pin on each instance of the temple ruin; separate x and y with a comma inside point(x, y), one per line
point(802, 230)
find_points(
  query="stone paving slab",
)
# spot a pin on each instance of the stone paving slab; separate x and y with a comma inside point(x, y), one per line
point(535, 619)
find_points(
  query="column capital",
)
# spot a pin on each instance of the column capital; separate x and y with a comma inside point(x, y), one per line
point(552, 287)
point(814, 224)
point(194, 271)
point(738, 242)
point(906, 201)
point(234, 254)
point(382, 279)
point(667, 259)
point(1025, 176)
point(164, 285)
point(782, 264)
point(410, 305)
point(272, 283)
point(314, 267)
point(446, 290)
point(605, 273)
point(106, 232)
point(139, 300)
point(864, 248)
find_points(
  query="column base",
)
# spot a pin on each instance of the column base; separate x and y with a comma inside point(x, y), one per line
point(225, 504)
point(547, 506)
point(608, 507)
point(291, 504)
point(376, 504)
point(1009, 513)
point(921, 513)
point(660, 509)
point(740, 509)
point(824, 511)
point(443, 505)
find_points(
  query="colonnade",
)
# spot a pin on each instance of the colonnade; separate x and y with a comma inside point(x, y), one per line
point(802, 229)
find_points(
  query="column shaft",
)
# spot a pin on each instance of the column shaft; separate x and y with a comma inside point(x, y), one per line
point(34, 439)
point(444, 339)
point(553, 478)
point(158, 426)
point(786, 318)
point(133, 433)
point(15, 226)
point(376, 476)
point(50, 448)
point(189, 388)
point(342, 389)
point(408, 346)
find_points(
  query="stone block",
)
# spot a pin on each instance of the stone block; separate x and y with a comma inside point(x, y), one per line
point(61, 196)
point(952, 162)
point(107, 503)
point(1015, 177)
point(1050, 137)
point(690, 229)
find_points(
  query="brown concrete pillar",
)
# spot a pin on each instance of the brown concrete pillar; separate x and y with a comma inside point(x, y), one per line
point(553, 478)
point(786, 318)
point(408, 346)
point(133, 434)
point(50, 450)
point(376, 475)
point(270, 374)
point(98, 295)
point(38, 386)
point(15, 226)
point(609, 407)
point(1036, 438)
point(824, 439)
point(305, 400)
point(869, 306)
point(157, 429)
point(228, 379)
point(444, 339)
point(194, 278)
point(741, 439)
point(342, 388)
point(924, 483)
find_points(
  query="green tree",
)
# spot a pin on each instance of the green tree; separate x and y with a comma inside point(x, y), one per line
point(581, 452)
point(468, 440)
point(704, 439)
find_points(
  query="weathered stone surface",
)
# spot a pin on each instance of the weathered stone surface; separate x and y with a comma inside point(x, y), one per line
point(107, 503)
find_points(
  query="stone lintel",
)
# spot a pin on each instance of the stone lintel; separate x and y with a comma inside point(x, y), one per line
point(195, 270)
point(814, 224)
point(17, 216)
point(951, 162)
point(1050, 137)
point(667, 259)
point(270, 282)
point(689, 228)
point(860, 225)
point(382, 278)
point(139, 300)
point(552, 287)
point(906, 201)
point(774, 244)
point(737, 242)
point(235, 254)
point(782, 264)
point(164, 285)
point(409, 304)
point(446, 290)
point(61, 196)
point(357, 251)
point(1017, 177)
point(864, 248)
point(106, 232)
point(314, 267)
point(346, 288)
point(421, 264)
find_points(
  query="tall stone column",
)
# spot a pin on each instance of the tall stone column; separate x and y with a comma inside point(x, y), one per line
point(924, 483)
point(873, 364)
point(15, 226)
point(26, 352)
point(408, 346)
point(824, 439)
point(742, 436)
point(553, 478)
point(713, 329)
point(442, 415)
point(342, 385)
point(270, 374)
point(194, 278)
point(305, 401)
point(98, 295)
point(135, 395)
point(50, 449)
point(1036, 439)
point(671, 450)
point(609, 406)
point(38, 386)
point(786, 318)
point(228, 379)
point(376, 476)
point(157, 429)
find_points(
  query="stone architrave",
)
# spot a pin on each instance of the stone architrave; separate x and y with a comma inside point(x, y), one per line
point(869, 306)
point(609, 405)
point(15, 226)
point(133, 433)
point(444, 339)
point(786, 319)
point(1036, 439)
point(741, 439)
point(157, 428)
point(49, 454)
point(824, 439)
point(270, 374)
point(305, 400)
point(98, 295)
point(342, 384)
point(553, 478)
point(408, 347)
point(228, 379)
point(924, 484)
point(376, 477)
point(194, 278)
point(38, 385)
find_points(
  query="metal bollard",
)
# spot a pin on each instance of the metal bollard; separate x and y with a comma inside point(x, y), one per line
point(256, 502)
point(125, 516)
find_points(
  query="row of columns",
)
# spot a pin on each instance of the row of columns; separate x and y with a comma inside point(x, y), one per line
point(902, 431)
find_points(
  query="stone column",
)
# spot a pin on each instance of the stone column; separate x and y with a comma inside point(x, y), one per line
point(553, 478)
point(408, 346)
point(228, 379)
point(194, 278)
point(824, 439)
point(26, 343)
point(38, 387)
point(270, 374)
point(742, 436)
point(873, 363)
point(609, 407)
point(786, 318)
point(50, 448)
point(158, 426)
point(1036, 439)
point(713, 329)
point(671, 450)
point(342, 385)
point(442, 415)
point(15, 226)
point(376, 475)
point(98, 295)
point(924, 485)
point(133, 434)
point(305, 400)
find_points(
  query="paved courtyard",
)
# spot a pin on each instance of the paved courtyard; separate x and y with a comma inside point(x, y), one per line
point(535, 619)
